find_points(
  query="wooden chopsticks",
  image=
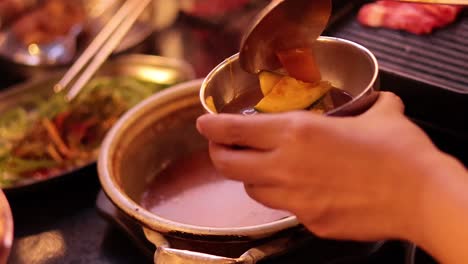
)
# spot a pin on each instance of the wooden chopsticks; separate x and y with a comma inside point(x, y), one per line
point(101, 47)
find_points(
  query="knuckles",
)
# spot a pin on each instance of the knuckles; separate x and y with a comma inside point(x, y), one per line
point(233, 135)
point(300, 129)
point(219, 159)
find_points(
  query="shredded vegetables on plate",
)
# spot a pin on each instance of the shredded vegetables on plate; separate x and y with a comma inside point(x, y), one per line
point(55, 136)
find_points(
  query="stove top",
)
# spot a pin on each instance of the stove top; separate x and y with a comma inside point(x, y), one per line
point(315, 251)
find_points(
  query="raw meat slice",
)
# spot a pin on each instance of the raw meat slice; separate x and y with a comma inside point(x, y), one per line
point(415, 18)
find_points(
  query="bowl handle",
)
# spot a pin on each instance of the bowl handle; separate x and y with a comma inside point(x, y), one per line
point(166, 255)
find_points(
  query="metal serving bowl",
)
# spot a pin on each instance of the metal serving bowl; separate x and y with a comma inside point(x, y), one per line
point(345, 64)
point(18, 60)
point(153, 133)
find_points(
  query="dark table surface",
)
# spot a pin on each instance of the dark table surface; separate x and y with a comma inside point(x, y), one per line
point(57, 222)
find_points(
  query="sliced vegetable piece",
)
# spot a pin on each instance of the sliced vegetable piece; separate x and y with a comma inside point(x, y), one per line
point(17, 165)
point(54, 154)
point(300, 64)
point(210, 103)
point(290, 94)
point(47, 133)
point(268, 80)
point(13, 124)
point(52, 106)
point(55, 137)
point(4, 149)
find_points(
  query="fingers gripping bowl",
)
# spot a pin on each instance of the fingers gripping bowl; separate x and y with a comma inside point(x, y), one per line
point(348, 66)
point(134, 154)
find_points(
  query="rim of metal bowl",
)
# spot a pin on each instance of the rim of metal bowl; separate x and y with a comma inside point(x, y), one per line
point(366, 51)
point(148, 219)
point(6, 228)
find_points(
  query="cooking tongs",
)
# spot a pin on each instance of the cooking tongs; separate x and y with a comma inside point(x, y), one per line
point(101, 47)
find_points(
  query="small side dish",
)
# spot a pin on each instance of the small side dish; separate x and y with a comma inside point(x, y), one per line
point(49, 21)
point(46, 136)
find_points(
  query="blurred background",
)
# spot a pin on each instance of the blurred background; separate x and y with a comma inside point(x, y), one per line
point(58, 222)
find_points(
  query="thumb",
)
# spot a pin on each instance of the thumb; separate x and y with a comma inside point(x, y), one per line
point(387, 103)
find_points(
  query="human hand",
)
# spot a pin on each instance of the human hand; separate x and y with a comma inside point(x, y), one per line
point(357, 178)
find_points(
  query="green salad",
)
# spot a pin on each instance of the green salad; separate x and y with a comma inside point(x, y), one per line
point(49, 135)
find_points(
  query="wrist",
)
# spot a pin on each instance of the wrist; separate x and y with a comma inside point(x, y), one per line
point(442, 210)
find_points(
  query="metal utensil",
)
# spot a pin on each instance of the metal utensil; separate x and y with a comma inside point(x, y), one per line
point(283, 24)
point(167, 255)
point(60, 51)
point(36, 58)
point(23, 20)
point(286, 24)
point(101, 47)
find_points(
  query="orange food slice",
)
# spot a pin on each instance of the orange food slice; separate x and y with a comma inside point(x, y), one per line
point(300, 64)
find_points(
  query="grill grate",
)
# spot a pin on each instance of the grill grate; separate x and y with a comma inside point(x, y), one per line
point(439, 59)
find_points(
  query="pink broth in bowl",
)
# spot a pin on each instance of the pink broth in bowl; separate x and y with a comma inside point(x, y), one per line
point(191, 191)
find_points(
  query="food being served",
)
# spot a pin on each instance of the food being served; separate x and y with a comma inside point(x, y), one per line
point(191, 191)
point(415, 18)
point(298, 85)
point(48, 21)
point(300, 89)
point(46, 136)
point(319, 98)
point(300, 64)
point(288, 94)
